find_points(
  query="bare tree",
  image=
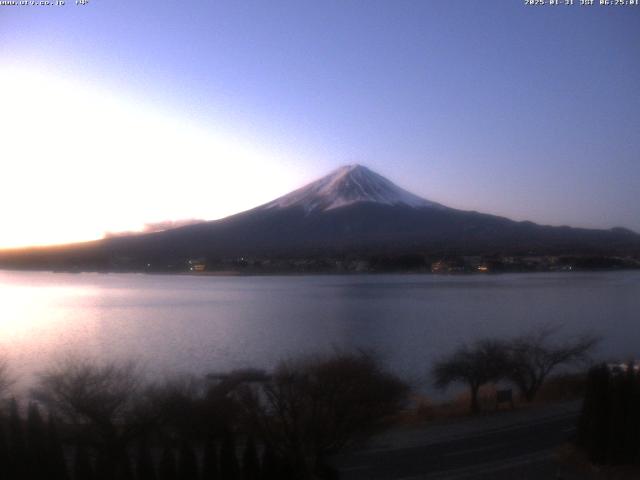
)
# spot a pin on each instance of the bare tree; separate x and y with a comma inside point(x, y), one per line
point(82, 391)
point(100, 399)
point(534, 356)
point(476, 365)
point(317, 406)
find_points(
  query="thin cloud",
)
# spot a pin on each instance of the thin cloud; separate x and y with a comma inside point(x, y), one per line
point(156, 227)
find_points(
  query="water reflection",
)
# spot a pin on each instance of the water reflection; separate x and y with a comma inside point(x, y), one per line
point(199, 324)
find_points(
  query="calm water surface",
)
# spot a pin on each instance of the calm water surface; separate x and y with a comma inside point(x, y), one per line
point(195, 324)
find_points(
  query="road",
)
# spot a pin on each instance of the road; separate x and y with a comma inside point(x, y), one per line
point(522, 448)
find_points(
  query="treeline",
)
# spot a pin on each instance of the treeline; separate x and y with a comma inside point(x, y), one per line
point(609, 426)
point(84, 259)
point(106, 422)
point(32, 449)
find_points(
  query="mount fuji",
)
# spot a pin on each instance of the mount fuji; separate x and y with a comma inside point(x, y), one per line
point(352, 212)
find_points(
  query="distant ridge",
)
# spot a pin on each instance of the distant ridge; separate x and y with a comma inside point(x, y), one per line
point(351, 213)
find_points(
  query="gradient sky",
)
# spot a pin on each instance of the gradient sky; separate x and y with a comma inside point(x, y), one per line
point(119, 113)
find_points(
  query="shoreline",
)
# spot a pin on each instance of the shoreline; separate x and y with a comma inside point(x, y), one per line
point(238, 273)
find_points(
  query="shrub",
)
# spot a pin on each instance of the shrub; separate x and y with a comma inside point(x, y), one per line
point(319, 405)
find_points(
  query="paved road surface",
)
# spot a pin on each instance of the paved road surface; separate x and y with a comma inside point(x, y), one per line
point(514, 445)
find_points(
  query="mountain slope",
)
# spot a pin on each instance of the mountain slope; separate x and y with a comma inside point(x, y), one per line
point(351, 211)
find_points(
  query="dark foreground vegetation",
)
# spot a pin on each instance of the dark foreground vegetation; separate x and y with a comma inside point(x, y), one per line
point(104, 422)
point(94, 421)
point(609, 427)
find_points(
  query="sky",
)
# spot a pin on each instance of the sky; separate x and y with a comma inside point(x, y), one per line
point(117, 114)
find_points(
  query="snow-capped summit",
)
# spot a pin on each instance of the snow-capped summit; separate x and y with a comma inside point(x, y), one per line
point(347, 185)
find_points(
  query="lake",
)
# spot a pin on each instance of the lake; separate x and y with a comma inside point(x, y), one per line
point(198, 324)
